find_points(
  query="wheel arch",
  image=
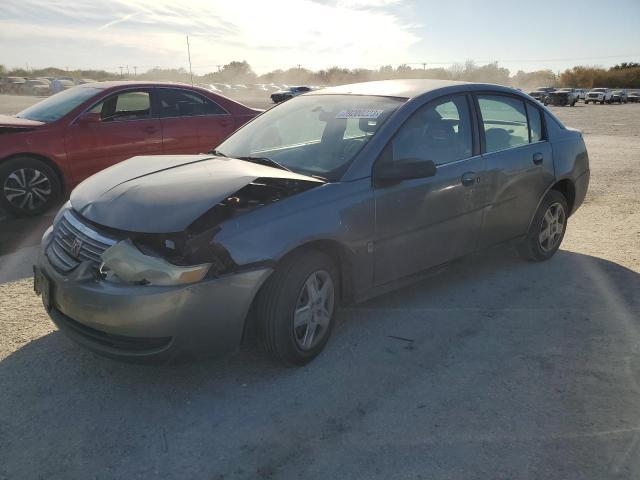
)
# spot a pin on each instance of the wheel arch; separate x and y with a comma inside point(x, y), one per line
point(341, 257)
point(566, 187)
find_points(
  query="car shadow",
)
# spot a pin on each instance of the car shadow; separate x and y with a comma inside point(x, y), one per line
point(495, 363)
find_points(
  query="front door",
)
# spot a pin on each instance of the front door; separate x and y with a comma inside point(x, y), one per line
point(424, 222)
point(126, 129)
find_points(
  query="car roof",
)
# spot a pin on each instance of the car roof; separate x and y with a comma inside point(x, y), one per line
point(408, 88)
point(132, 83)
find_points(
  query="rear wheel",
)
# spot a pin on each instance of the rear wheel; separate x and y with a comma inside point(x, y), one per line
point(547, 228)
point(295, 307)
point(28, 186)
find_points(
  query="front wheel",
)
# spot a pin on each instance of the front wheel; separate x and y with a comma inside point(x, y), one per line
point(547, 228)
point(295, 308)
point(29, 186)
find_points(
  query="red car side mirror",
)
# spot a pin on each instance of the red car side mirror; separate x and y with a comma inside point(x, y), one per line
point(89, 119)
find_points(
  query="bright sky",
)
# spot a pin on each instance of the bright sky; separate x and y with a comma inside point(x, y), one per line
point(317, 34)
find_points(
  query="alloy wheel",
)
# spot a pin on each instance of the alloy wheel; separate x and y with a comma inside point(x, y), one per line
point(27, 188)
point(313, 311)
point(552, 227)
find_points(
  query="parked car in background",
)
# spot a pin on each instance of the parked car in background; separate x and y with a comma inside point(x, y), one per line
point(601, 95)
point(211, 87)
point(633, 96)
point(60, 84)
point(541, 93)
point(50, 147)
point(619, 96)
point(12, 84)
point(82, 81)
point(562, 97)
point(282, 95)
point(335, 196)
point(36, 86)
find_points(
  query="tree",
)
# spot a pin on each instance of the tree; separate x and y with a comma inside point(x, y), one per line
point(237, 72)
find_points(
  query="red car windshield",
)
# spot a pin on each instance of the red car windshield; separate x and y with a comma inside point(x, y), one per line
point(58, 105)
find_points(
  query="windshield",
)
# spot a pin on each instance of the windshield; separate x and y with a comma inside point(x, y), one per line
point(313, 135)
point(58, 105)
point(599, 90)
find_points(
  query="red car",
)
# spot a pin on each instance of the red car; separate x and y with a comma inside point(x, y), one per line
point(53, 145)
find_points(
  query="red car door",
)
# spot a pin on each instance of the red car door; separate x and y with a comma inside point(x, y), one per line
point(119, 127)
point(191, 122)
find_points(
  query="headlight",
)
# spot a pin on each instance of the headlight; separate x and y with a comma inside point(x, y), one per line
point(124, 261)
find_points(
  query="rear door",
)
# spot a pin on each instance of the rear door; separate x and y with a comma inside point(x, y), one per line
point(126, 129)
point(519, 164)
point(424, 222)
point(191, 122)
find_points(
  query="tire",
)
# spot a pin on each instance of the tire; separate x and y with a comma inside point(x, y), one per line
point(287, 290)
point(39, 182)
point(602, 102)
point(537, 246)
point(586, 102)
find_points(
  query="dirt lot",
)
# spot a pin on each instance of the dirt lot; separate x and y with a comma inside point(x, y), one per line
point(494, 369)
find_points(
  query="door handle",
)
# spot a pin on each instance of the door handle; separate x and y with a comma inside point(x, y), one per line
point(150, 129)
point(470, 178)
point(538, 158)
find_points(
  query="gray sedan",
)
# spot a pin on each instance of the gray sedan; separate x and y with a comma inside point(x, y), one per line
point(334, 196)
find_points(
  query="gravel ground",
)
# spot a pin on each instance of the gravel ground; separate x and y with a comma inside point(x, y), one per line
point(494, 369)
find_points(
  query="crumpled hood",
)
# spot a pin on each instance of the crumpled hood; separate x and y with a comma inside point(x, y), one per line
point(11, 121)
point(166, 193)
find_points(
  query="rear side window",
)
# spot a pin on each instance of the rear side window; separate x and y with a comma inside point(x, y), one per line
point(180, 103)
point(439, 131)
point(535, 123)
point(505, 122)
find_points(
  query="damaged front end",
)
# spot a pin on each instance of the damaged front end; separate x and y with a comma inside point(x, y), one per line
point(168, 258)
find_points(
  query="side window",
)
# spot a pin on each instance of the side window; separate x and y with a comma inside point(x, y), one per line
point(439, 131)
point(124, 106)
point(180, 103)
point(504, 120)
point(535, 123)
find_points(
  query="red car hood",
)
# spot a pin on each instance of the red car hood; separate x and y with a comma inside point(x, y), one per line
point(11, 121)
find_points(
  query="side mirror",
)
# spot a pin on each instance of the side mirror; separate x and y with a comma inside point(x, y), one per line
point(404, 169)
point(89, 118)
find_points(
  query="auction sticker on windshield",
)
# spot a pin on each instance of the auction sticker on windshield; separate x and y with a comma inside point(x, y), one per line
point(368, 113)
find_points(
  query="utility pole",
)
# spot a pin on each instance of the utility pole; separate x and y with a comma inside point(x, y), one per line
point(189, 54)
point(424, 66)
point(127, 70)
point(121, 67)
point(135, 71)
